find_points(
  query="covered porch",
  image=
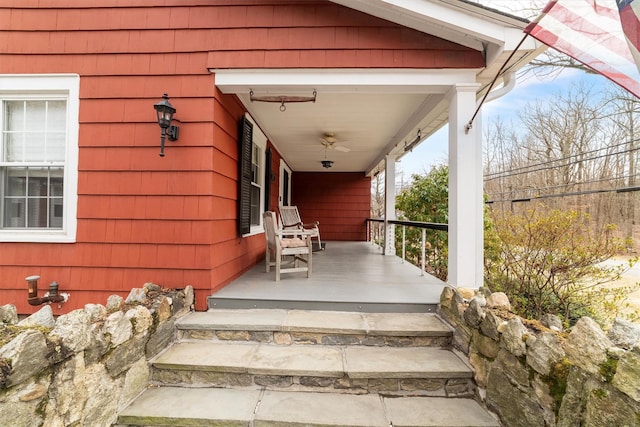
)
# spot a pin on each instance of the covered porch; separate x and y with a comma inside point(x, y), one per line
point(347, 276)
point(329, 122)
point(321, 125)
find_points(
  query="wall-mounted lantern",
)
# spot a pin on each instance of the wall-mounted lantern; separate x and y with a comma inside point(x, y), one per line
point(165, 112)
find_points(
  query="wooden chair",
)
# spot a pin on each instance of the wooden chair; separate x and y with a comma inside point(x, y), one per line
point(290, 219)
point(278, 246)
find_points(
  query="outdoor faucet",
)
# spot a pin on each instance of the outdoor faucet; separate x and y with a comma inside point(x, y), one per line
point(49, 297)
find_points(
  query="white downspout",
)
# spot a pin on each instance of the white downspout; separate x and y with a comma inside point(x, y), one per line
point(508, 83)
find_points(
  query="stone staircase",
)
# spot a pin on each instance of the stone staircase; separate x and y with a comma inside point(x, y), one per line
point(309, 368)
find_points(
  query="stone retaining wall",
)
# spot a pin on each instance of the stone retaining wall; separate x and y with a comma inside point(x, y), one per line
point(531, 373)
point(83, 367)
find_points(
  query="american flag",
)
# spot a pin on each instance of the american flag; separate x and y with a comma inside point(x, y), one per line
point(629, 18)
point(596, 33)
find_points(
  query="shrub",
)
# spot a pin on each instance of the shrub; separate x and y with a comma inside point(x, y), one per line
point(427, 201)
point(549, 261)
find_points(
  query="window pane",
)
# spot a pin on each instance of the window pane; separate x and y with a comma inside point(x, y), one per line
point(34, 147)
point(13, 146)
point(13, 213)
point(36, 115)
point(256, 188)
point(56, 182)
point(55, 147)
point(55, 212)
point(15, 182)
point(37, 185)
point(255, 205)
point(56, 116)
point(37, 210)
point(14, 115)
point(255, 167)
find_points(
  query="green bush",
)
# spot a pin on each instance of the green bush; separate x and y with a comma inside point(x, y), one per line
point(549, 261)
point(427, 201)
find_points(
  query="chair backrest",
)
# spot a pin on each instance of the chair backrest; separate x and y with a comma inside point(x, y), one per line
point(269, 218)
point(290, 217)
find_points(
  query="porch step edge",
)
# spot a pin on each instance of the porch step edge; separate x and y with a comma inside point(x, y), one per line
point(218, 302)
point(168, 406)
point(355, 362)
point(317, 321)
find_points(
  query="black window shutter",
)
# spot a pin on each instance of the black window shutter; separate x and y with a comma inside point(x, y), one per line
point(244, 186)
point(267, 180)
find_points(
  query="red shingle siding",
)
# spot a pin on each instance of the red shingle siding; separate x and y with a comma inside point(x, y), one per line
point(339, 201)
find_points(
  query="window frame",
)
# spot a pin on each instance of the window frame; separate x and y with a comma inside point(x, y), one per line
point(259, 141)
point(284, 192)
point(48, 87)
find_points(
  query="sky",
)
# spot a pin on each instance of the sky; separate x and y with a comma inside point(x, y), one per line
point(433, 151)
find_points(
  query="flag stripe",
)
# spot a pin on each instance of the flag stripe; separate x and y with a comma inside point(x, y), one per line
point(598, 31)
point(592, 62)
point(591, 42)
point(591, 31)
point(599, 7)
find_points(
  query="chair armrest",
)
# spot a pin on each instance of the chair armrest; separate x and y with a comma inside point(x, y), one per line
point(311, 224)
point(297, 224)
point(294, 233)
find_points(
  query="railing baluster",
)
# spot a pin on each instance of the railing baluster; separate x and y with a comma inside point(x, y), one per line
point(424, 240)
point(404, 241)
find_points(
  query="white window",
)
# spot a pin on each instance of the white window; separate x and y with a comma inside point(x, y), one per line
point(257, 177)
point(257, 164)
point(284, 198)
point(38, 157)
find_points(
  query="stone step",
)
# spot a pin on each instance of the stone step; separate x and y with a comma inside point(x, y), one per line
point(317, 327)
point(348, 369)
point(177, 406)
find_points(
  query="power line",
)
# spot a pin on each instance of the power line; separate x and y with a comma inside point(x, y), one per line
point(507, 172)
point(552, 187)
point(564, 164)
point(575, 193)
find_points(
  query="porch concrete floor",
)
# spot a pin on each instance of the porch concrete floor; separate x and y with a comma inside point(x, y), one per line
point(346, 276)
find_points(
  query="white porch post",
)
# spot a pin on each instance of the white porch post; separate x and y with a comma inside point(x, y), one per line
point(466, 238)
point(389, 204)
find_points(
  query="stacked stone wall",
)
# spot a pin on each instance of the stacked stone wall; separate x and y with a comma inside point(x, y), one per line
point(532, 373)
point(85, 366)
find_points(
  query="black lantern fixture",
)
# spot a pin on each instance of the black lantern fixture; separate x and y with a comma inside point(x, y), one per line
point(165, 112)
point(326, 163)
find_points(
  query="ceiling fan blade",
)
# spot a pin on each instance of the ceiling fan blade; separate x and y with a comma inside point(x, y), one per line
point(326, 145)
point(341, 148)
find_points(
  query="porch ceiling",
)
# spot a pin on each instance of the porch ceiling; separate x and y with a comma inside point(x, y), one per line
point(376, 112)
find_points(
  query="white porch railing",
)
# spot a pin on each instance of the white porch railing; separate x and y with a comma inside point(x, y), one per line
point(376, 234)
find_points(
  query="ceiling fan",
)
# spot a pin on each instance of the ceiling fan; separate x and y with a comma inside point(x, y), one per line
point(329, 141)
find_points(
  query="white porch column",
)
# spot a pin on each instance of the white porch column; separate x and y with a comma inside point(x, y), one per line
point(466, 238)
point(389, 204)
